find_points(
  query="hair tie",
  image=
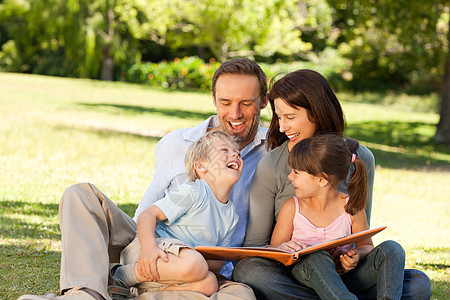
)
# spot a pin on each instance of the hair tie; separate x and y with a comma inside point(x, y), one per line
point(353, 157)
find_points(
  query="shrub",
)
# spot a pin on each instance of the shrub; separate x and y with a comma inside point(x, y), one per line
point(193, 73)
point(185, 73)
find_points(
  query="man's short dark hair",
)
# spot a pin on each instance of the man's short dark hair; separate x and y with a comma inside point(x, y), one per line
point(241, 66)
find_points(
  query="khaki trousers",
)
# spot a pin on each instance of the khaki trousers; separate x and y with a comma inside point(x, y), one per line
point(93, 233)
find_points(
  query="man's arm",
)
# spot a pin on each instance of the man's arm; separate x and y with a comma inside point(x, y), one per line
point(169, 169)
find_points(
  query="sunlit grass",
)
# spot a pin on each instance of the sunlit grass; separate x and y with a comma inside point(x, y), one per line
point(55, 132)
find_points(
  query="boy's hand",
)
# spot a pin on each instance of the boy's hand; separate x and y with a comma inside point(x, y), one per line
point(146, 264)
point(291, 246)
point(349, 260)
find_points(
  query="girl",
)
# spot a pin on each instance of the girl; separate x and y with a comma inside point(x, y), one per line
point(320, 212)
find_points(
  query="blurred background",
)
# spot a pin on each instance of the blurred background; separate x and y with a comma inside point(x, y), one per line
point(365, 45)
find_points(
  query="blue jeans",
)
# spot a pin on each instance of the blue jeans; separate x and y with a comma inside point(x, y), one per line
point(271, 280)
point(383, 266)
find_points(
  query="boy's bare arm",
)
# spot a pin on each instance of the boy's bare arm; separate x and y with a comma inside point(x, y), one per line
point(215, 265)
point(150, 253)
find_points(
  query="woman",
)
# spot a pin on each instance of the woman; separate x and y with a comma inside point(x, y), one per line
point(303, 104)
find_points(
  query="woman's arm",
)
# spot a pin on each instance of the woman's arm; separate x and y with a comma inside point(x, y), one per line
point(261, 204)
point(367, 156)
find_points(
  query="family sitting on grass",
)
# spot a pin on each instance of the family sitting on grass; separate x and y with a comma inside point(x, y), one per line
point(227, 182)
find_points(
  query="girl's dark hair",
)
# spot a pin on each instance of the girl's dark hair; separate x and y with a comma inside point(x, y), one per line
point(330, 156)
point(310, 90)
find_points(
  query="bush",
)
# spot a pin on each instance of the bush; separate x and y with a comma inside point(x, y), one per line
point(185, 73)
point(193, 73)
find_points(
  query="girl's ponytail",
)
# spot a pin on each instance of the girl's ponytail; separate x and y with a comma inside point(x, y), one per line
point(357, 187)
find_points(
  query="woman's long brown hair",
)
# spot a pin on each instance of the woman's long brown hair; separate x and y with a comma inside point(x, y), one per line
point(310, 90)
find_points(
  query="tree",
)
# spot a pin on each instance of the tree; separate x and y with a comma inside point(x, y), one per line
point(398, 41)
point(93, 37)
point(248, 27)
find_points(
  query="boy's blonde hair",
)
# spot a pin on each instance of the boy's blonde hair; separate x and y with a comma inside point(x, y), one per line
point(198, 151)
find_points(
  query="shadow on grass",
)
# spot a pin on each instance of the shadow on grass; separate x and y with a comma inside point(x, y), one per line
point(27, 270)
point(407, 145)
point(133, 110)
point(22, 229)
point(429, 266)
point(107, 132)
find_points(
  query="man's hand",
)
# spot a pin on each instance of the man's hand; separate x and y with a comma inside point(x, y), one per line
point(291, 246)
point(349, 260)
point(146, 265)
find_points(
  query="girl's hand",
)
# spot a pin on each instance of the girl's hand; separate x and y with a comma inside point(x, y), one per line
point(349, 260)
point(292, 246)
point(146, 264)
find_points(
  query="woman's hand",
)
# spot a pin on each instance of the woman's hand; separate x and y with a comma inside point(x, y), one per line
point(146, 264)
point(291, 246)
point(349, 260)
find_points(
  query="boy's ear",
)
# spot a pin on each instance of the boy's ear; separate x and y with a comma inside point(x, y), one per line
point(199, 167)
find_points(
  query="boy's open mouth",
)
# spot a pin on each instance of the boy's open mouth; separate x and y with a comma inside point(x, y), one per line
point(233, 165)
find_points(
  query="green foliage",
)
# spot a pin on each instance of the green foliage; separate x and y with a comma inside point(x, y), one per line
point(387, 44)
point(393, 44)
point(86, 33)
point(193, 73)
point(185, 73)
point(240, 27)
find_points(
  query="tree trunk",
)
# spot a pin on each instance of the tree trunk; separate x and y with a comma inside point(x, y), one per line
point(107, 71)
point(443, 127)
point(107, 68)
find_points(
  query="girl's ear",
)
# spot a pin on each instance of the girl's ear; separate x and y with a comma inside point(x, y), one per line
point(323, 181)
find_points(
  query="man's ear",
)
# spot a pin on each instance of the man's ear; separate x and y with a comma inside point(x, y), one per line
point(264, 101)
point(214, 99)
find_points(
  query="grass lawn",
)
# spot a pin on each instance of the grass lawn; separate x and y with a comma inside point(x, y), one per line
point(55, 132)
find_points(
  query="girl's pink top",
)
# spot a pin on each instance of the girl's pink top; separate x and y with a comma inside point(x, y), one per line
point(307, 233)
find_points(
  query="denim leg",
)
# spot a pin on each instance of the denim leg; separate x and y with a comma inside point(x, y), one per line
point(270, 280)
point(318, 271)
point(416, 285)
point(383, 266)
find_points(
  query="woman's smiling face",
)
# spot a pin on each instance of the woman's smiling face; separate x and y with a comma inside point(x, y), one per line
point(294, 122)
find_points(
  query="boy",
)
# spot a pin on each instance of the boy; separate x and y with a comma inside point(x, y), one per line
point(192, 214)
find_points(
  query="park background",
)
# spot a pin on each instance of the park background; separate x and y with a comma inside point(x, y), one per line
point(389, 62)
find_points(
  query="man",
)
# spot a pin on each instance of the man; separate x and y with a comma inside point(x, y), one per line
point(94, 230)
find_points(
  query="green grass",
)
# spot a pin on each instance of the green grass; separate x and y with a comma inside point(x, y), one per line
point(55, 132)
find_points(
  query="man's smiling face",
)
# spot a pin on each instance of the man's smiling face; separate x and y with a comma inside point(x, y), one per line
point(239, 106)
